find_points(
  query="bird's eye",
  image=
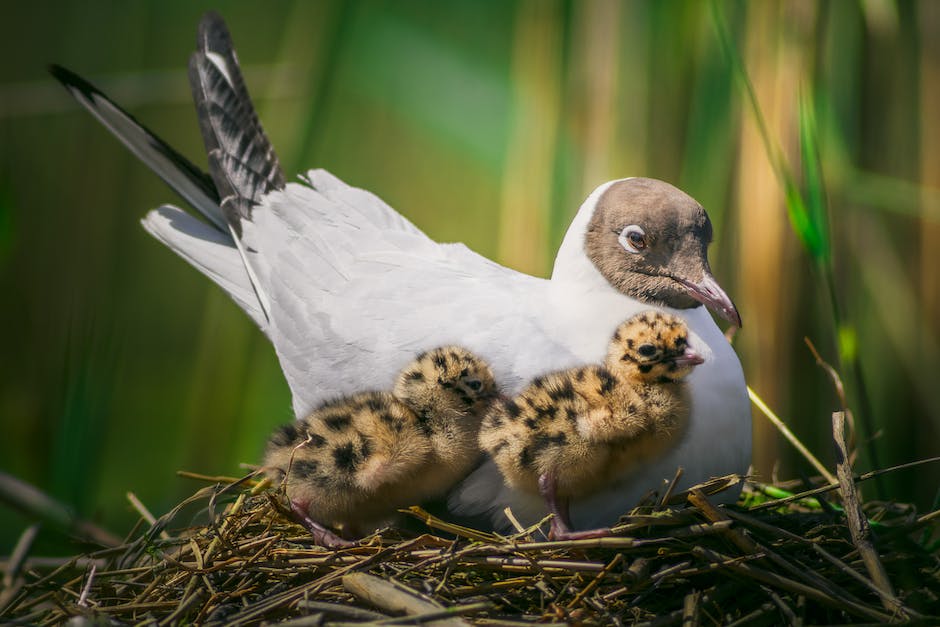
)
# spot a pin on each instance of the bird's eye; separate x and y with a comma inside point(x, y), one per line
point(633, 238)
point(647, 350)
point(474, 384)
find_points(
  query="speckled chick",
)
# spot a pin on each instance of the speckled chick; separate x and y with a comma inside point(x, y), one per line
point(355, 460)
point(570, 433)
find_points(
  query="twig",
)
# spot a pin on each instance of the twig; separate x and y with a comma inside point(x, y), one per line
point(184, 606)
point(690, 609)
point(138, 505)
point(392, 597)
point(613, 542)
point(18, 556)
point(436, 523)
point(437, 615)
point(83, 599)
point(789, 435)
point(507, 512)
point(750, 619)
point(858, 522)
point(750, 546)
point(785, 609)
point(836, 379)
point(348, 611)
point(525, 564)
point(208, 478)
point(36, 503)
point(773, 579)
point(835, 484)
point(837, 384)
point(672, 486)
point(851, 572)
point(588, 589)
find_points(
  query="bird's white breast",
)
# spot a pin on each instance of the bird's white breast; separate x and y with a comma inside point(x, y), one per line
point(718, 440)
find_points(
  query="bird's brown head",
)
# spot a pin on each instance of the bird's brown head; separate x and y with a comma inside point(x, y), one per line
point(650, 241)
point(446, 381)
point(653, 347)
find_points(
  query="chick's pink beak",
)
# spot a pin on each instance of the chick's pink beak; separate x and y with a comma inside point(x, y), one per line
point(689, 358)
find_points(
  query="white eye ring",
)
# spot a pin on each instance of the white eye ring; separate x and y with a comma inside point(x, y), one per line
point(632, 238)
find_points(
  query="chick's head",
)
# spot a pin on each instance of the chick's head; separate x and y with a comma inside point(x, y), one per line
point(446, 381)
point(653, 347)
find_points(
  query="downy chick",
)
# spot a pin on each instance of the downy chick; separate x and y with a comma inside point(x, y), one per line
point(570, 433)
point(355, 460)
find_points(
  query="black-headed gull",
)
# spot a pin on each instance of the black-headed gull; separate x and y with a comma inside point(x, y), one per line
point(348, 290)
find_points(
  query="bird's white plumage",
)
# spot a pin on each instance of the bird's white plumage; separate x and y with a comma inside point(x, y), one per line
point(209, 250)
point(356, 290)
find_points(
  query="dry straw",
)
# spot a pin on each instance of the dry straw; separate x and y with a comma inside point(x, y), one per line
point(797, 559)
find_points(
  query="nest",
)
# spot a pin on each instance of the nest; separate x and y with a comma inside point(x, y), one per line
point(676, 560)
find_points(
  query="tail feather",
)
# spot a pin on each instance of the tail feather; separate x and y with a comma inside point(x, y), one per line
point(233, 174)
point(215, 41)
point(242, 162)
point(186, 179)
point(208, 250)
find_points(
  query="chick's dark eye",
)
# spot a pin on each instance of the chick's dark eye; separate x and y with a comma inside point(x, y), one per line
point(637, 240)
point(647, 350)
point(474, 384)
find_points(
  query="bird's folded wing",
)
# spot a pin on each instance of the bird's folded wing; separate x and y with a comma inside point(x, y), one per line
point(212, 251)
point(356, 292)
point(372, 209)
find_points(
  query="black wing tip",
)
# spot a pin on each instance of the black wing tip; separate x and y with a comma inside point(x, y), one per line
point(70, 80)
point(213, 33)
point(60, 73)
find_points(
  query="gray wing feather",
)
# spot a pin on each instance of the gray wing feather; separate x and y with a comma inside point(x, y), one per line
point(187, 180)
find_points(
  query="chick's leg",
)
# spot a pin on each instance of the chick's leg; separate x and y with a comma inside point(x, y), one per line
point(559, 506)
point(321, 535)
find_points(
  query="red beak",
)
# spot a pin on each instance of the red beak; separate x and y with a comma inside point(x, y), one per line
point(709, 293)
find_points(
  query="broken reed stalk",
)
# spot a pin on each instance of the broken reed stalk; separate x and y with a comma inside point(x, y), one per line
point(858, 522)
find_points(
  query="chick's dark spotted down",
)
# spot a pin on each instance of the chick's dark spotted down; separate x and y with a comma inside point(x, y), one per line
point(355, 460)
point(571, 433)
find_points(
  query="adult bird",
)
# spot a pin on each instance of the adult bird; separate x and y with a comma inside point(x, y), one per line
point(348, 290)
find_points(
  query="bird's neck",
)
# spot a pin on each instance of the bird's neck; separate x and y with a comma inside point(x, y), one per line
point(572, 264)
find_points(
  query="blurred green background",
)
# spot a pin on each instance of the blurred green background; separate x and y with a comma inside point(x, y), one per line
point(486, 122)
